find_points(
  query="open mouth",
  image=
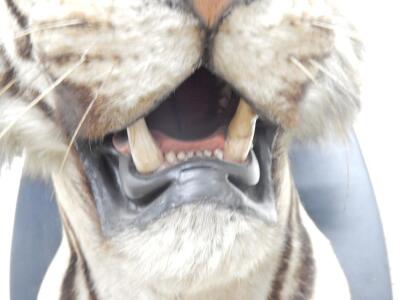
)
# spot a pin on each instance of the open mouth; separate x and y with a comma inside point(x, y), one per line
point(200, 145)
point(202, 118)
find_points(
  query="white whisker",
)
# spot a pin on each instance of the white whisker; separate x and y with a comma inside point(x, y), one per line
point(317, 84)
point(8, 86)
point(48, 27)
point(331, 76)
point(312, 78)
point(336, 28)
point(75, 134)
point(43, 95)
point(303, 68)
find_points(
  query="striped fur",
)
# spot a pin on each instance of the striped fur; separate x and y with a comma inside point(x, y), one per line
point(296, 70)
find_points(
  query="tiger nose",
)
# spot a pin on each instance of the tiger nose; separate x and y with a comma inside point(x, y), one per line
point(210, 11)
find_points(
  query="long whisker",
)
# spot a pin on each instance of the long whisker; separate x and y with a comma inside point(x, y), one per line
point(303, 68)
point(331, 76)
point(43, 95)
point(336, 28)
point(75, 134)
point(63, 24)
point(8, 86)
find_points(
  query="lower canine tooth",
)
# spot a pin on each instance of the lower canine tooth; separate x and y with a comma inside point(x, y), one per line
point(240, 133)
point(145, 153)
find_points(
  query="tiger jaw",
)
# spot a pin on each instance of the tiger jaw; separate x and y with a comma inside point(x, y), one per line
point(159, 164)
point(126, 198)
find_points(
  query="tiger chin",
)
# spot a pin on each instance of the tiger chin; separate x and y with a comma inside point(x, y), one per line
point(165, 127)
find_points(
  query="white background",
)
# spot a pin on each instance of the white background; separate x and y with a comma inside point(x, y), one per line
point(377, 128)
point(378, 125)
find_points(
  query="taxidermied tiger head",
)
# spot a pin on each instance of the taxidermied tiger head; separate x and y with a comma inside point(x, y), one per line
point(164, 125)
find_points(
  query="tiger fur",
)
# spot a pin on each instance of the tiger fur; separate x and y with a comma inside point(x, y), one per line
point(295, 70)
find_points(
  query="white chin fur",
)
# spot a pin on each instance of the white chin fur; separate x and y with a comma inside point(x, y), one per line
point(196, 248)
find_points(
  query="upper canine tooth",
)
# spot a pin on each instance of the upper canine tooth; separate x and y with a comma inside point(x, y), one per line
point(240, 133)
point(146, 154)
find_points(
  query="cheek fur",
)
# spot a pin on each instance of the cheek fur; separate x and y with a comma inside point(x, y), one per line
point(294, 73)
point(135, 54)
point(151, 49)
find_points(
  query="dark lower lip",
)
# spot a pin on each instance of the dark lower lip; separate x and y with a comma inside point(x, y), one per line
point(193, 182)
point(127, 199)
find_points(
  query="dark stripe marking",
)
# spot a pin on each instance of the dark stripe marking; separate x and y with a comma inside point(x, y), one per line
point(23, 44)
point(306, 271)
point(24, 47)
point(16, 90)
point(281, 274)
point(68, 285)
point(8, 76)
point(19, 16)
point(6, 80)
point(80, 257)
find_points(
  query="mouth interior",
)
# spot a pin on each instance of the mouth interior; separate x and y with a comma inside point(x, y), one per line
point(203, 117)
point(198, 108)
point(194, 118)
